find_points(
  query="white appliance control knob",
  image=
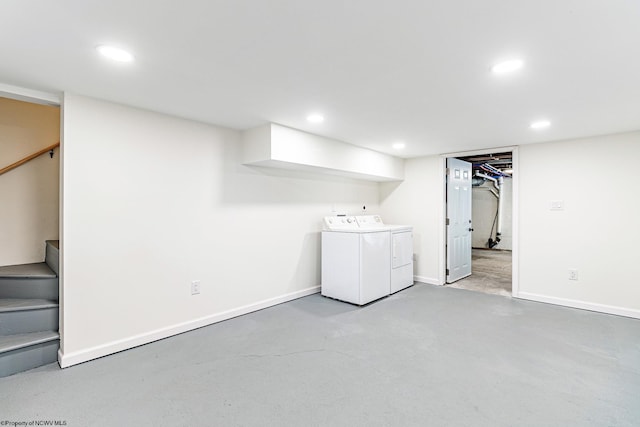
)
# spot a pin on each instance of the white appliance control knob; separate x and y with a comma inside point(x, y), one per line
point(349, 220)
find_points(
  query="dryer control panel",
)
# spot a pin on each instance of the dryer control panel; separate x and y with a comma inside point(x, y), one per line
point(367, 221)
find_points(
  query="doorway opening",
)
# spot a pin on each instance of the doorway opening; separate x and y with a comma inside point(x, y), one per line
point(479, 222)
point(30, 243)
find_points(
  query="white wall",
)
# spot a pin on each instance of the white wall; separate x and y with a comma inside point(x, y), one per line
point(418, 201)
point(28, 194)
point(152, 202)
point(597, 178)
point(484, 205)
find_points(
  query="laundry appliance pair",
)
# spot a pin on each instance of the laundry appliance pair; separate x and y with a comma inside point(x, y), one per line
point(364, 259)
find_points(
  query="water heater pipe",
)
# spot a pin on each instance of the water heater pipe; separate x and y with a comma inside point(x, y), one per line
point(499, 184)
point(500, 197)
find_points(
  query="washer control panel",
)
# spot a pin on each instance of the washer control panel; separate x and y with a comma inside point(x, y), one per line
point(340, 223)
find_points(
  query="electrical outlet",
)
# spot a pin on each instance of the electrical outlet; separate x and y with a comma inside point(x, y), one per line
point(573, 274)
point(195, 287)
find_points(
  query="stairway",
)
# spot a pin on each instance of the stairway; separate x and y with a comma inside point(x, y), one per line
point(29, 313)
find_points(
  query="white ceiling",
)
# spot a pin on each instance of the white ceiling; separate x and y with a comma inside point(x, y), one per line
point(379, 71)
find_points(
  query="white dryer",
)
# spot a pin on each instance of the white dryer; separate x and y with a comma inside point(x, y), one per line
point(401, 240)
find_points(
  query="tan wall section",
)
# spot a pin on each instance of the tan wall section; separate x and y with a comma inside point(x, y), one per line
point(29, 195)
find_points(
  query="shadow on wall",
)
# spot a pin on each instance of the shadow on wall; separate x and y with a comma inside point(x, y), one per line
point(308, 263)
point(387, 188)
point(281, 211)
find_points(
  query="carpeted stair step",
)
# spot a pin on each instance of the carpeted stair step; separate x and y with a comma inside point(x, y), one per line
point(21, 316)
point(28, 281)
point(27, 351)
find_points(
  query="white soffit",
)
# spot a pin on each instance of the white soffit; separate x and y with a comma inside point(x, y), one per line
point(277, 146)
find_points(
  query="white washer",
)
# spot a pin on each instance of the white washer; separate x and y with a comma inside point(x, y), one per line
point(355, 262)
point(401, 250)
point(363, 259)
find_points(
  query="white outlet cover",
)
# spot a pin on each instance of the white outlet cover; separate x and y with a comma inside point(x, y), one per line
point(195, 287)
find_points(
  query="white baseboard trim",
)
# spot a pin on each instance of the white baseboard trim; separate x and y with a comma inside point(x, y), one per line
point(584, 305)
point(427, 280)
point(70, 359)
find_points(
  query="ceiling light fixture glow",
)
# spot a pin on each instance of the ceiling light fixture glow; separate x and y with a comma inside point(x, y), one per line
point(115, 53)
point(540, 124)
point(507, 66)
point(398, 145)
point(315, 118)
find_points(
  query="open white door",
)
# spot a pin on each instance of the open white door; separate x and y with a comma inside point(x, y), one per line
point(458, 219)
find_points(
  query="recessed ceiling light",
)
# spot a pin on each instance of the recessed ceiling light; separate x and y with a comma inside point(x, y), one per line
point(315, 118)
point(115, 53)
point(507, 66)
point(540, 124)
point(398, 145)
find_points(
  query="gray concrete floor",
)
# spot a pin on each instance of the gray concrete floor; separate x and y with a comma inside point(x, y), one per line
point(490, 273)
point(428, 355)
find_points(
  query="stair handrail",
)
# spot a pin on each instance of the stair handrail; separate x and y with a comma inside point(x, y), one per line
point(28, 158)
